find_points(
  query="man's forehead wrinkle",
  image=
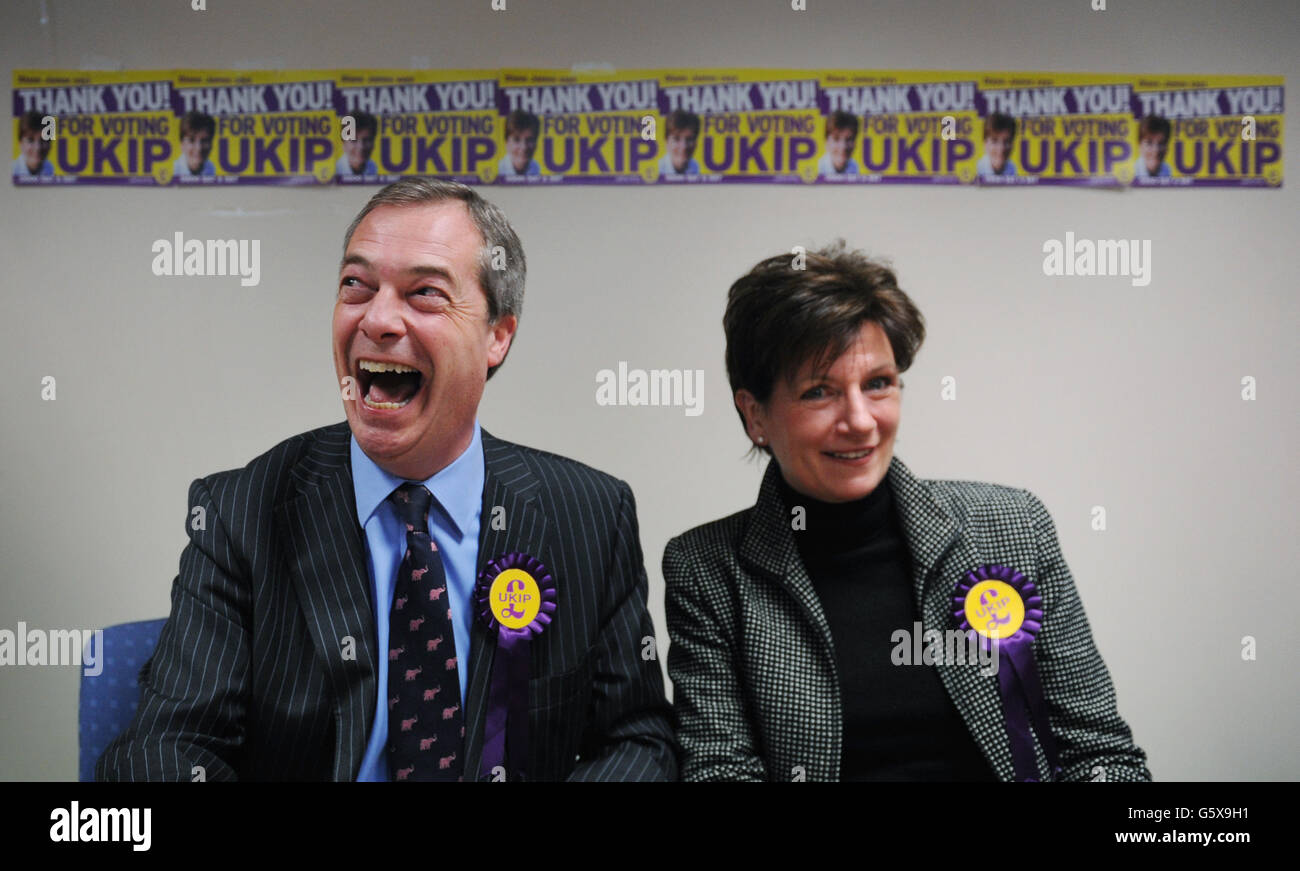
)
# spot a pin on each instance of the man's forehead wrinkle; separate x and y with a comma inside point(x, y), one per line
point(411, 251)
point(436, 232)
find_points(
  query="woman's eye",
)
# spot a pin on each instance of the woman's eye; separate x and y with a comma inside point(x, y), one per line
point(814, 393)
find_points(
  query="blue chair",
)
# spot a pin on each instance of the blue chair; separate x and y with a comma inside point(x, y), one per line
point(109, 699)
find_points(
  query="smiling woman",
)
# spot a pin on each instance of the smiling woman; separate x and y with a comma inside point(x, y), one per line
point(814, 352)
point(784, 618)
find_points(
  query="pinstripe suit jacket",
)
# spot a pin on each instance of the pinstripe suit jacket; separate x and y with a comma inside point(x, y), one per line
point(752, 660)
point(251, 679)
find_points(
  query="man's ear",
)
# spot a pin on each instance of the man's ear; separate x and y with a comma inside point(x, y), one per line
point(500, 334)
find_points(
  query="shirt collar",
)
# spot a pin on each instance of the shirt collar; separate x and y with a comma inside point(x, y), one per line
point(457, 488)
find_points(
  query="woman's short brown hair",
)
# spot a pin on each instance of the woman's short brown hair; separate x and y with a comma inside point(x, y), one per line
point(793, 308)
point(30, 121)
point(1154, 125)
point(193, 123)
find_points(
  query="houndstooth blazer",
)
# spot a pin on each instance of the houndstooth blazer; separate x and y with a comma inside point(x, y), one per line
point(752, 661)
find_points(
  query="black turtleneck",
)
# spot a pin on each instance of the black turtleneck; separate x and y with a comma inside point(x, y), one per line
point(899, 723)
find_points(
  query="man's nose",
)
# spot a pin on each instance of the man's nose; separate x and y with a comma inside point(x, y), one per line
point(383, 317)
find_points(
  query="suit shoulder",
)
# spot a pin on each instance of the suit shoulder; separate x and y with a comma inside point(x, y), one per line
point(270, 469)
point(975, 499)
point(702, 564)
point(717, 540)
point(559, 473)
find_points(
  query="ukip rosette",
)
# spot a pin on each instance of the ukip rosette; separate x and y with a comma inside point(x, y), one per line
point(1003, 608)
point(515, 599)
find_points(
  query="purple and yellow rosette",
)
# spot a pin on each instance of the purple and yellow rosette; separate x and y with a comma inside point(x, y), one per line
point(1003, 608)
point(515, 598)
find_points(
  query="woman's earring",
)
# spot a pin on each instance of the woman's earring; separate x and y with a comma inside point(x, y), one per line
point(761, 440)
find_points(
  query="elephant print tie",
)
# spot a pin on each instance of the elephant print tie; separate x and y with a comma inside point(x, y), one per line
point(426, 726)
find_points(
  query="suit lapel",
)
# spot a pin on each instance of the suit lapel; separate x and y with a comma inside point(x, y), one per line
point(326, 562)
point(941, 555)
point(511, 520)
point(768, 546)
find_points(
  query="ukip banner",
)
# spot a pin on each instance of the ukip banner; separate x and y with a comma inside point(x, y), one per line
point(1056, 128)
point(898, 127)
point(254, 127)
point(75, 127)
point(754, 125)
point(578, 128)
point(1208, 131)
point(395, 123)
point(184, 128)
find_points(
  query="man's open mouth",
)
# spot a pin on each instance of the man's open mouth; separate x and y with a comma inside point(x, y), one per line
point(387, 385)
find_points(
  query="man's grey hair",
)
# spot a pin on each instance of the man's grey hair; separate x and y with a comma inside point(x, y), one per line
point(502, 267)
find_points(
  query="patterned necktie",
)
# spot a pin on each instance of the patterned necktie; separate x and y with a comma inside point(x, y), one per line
point(426, 727)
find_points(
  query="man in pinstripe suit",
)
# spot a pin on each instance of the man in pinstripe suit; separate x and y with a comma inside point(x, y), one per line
point(269, 666)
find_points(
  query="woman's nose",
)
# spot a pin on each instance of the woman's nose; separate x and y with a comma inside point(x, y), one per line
point(857, 416)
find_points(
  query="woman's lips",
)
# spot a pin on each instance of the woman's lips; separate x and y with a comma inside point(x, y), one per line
point(859, 457)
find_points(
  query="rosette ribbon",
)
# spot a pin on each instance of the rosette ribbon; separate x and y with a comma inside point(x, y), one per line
point(515, 599)
point(1003, 608)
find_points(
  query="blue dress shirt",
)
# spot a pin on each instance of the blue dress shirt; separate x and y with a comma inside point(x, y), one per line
point(1140, 170)
point(453, 523)
point(985, 167)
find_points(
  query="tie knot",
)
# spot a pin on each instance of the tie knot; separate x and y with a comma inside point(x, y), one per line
point(412, 502)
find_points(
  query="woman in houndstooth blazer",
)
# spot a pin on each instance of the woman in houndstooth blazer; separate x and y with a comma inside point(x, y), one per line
point(813, 634)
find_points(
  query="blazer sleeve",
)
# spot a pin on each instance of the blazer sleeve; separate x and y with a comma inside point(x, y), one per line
point(1093, 741)
point(713, 727)
point(631, 718)
point(193, 688)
